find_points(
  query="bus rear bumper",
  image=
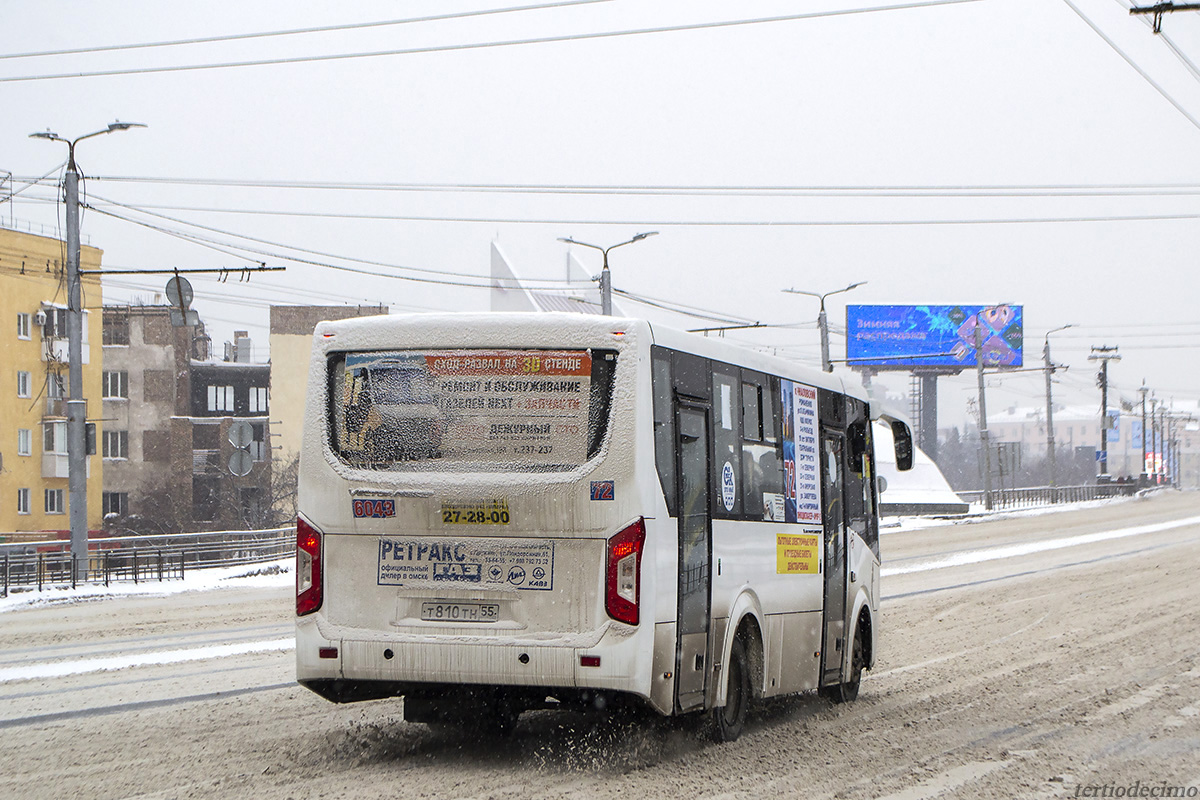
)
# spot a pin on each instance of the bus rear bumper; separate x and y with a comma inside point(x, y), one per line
point(617, 660)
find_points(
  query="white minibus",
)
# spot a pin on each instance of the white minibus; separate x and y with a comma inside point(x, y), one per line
point(506, 512)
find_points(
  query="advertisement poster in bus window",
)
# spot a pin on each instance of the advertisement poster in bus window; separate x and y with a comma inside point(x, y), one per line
point(524, 407)
point(801, 468)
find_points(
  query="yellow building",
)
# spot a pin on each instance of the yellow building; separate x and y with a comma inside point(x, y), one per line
point(34, 384)
point(291, 347)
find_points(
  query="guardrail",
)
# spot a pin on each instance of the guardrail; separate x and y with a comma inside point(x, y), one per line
point(138, 558)
point(1028, 496)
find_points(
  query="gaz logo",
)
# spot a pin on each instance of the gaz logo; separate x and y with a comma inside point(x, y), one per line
point(366, 508)
point(470, 573)
point(602, 490)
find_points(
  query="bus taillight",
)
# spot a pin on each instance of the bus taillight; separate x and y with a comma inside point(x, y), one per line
point(625, 573)
point(308, 568)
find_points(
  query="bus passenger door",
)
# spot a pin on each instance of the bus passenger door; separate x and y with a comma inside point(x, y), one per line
point(833, 447)
point(694, 557)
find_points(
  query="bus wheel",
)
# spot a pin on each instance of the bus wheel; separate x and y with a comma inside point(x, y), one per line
point(848, 691)
point(729, 719)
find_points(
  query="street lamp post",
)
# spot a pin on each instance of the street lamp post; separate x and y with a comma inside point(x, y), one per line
point(822, 320)
point(605, 276)
point(76, 405)
point(1050, 367)
point(984, 440)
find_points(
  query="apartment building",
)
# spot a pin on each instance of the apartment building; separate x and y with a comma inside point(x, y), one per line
point(170, 465)
point(34, 384)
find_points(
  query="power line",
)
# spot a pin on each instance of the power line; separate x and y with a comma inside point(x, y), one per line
point(275, 289)
point(486, 45)
point(200, 241)
point(807, 223)
point(297, 31)
point(270, 243)
point(1145, 75)
point(690, 311)
point(934, 191)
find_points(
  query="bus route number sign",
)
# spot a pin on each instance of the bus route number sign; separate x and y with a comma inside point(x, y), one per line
point(366, 508)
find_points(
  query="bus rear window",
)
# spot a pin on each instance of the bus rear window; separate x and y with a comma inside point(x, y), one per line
point(470, 410)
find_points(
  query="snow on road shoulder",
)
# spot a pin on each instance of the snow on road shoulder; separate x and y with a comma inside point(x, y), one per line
point(978, 514)
point(271, 574)
point(58, 669)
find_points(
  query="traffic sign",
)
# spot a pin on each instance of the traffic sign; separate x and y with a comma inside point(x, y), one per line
point(181, 320)
point(241, 434)
point(179, 292)
point(240, 462)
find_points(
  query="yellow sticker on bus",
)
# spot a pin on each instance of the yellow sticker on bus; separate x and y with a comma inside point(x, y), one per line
point(796, 555)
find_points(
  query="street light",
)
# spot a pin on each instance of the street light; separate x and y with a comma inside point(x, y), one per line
point(1049, 368)
point(605, 275)
point(823, 322)
point(984, 441)
point(76, 405)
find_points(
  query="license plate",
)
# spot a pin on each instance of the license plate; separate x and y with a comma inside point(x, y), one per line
point(460, 612)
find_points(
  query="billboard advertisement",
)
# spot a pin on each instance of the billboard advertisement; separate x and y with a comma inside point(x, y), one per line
point(908, 337)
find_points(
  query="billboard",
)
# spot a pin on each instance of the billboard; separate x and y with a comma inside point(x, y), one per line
point(909, 337)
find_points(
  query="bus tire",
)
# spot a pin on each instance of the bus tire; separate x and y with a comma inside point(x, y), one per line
point(729, 719)
point(848, 691)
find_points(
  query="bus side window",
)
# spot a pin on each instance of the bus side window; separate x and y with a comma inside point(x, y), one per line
point(762, 465)
point(772, 461)
point(727, 442)
point(664, 424)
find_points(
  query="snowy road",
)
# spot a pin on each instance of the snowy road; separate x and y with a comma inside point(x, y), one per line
point(1033, 656)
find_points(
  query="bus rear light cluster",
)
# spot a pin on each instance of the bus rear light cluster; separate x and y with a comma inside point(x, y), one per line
point(309, 591)
point(623, 585)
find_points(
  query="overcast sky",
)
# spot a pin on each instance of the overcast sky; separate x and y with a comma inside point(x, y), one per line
point(972, 152)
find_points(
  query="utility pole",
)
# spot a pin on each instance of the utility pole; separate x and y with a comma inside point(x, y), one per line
point(1143, 477)
point(1104, 354)
point(823, 321)
point(1049, 369)
point(1168, 466)
point(1154, 454)
point(1158, 9)
point(605, 277)
point(76, 404)
point(1169, 443)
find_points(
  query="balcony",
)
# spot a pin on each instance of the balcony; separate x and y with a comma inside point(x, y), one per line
point(57, 465)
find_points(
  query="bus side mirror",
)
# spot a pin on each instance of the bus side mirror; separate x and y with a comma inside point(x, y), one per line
point(904, 445)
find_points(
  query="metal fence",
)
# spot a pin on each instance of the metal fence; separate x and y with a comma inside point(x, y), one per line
point(138, 558)
point(1028, 496)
